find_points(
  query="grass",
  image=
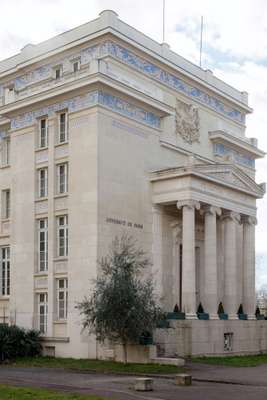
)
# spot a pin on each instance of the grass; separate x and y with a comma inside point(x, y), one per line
point(96, 365)
point(18, 393)
point(233, 361)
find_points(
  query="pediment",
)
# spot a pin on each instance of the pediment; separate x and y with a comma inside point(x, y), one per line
point(230, 175)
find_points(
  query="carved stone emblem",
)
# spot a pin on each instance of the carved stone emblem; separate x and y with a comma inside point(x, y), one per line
point(187, 121)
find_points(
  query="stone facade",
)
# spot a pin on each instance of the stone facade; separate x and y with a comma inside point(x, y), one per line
point(105, 131)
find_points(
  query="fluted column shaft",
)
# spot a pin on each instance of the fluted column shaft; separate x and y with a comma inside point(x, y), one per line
point(249, 298)
point(157, 250)
point(188, 257)
point(210, 264)
point(230, 264)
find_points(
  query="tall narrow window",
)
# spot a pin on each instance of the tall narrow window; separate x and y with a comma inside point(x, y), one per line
point(62, 236)
point(42, 312)
point(58, 72)
point(5, 271)
point(6, 204)
point(63, 127)
point(42, 244)
point(62, 298)
point(42, 182)
point(5, 149)
point(62, 178)
point(43, 133)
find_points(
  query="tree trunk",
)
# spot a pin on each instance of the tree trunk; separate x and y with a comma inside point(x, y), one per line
point(124, 345)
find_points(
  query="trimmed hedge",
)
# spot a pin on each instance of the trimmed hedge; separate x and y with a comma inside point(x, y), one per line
point(18, 342)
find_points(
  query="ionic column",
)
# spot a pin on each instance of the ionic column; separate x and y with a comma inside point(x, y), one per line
point(210, 264)
point(189, 262)
point(249, 300)
point(230, 264)
point(176, 231)
point(157, 249)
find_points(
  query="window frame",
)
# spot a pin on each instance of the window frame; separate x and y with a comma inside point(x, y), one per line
point(62, 178)
point(63, 135)
point(5, 271)
point(62, 235)
point(42, 238)
point(42, 190)
point(44, 304)
point(62, 303)
point(40, 133)
point(6, 204)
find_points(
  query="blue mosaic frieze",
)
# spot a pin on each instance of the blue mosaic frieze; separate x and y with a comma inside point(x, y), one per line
point(78, 103)
point(172, 81)
point(220, 149)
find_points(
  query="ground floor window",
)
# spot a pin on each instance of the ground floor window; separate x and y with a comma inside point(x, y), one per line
point(62, 298)
point(5, 271)
point(42, 312)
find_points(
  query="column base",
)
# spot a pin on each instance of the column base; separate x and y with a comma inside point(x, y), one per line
point(251, 316)
point(214, 316)
point(233, 316)
point(190, 316)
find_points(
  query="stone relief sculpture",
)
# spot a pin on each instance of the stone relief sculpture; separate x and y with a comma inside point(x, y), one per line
point(187, 121)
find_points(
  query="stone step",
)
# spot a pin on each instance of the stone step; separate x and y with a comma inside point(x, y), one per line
point(179, 362)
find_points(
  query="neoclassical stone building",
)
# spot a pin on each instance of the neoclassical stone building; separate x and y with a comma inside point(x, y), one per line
point(105, 131)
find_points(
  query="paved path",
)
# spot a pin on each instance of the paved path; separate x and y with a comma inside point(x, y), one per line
point(120, 387)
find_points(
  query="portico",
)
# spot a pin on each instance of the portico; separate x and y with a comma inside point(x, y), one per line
point(218, 200)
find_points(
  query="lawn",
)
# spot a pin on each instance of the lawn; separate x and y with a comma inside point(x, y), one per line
point(17, 393)
point(233, 361)
point(96, 365)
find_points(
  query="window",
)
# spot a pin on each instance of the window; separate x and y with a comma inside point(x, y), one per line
point(9, 94)
point(62, 178)
point(5, 271)
point(76, 65)
point(62, 298)
point(5, 149)
point(43, 133)
point(62, 236)
point(42, 244)
point(6, 204)
point(42, 182)
point(63, 133)
point(42, 312)
point(58, 72)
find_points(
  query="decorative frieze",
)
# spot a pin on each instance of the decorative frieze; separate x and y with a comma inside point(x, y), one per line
point(221, 150)
point(126, 56)
point(90, 99)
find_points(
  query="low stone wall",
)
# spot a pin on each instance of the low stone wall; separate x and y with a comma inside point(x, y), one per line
point(212, 337)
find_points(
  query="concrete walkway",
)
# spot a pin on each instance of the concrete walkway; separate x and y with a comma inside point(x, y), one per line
point(120, 387)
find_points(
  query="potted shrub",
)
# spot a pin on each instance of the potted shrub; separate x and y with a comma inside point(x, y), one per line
point(258, 314)
point(201, 313)
point(221, 313)
point(241, 314)
point(176, 314)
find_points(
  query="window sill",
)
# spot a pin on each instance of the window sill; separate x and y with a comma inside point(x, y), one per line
point(39, 199)
point(5, 220)
point(60, 195)
point(60, 321)
point(5, 297)
point(40, 149)
point(40, 273)
point(61, 144)
point(61, 258)
point(5, 166)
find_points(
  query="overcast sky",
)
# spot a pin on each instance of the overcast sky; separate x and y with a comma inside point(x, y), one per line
point(235, 45)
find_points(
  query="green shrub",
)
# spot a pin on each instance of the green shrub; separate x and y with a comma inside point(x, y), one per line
point(240, 310)
point(18, 342)
point(220, 308)
point(200, 309)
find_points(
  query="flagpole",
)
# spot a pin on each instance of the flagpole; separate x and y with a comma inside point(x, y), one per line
point(163, 22)
point(201, 40)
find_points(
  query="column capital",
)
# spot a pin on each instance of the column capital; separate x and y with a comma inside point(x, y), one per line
point(191, 204)
point(231, 215)
point(249, 220)
point(209, 209)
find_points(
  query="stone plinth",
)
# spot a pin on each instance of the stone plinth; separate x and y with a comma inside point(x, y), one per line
point(143, 385)
point(183, 380)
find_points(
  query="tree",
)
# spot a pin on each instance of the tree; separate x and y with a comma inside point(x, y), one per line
point(122, 304)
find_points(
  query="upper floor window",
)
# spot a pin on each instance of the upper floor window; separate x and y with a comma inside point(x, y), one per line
point(42, 182)
point(43, 133)
point(58, 72)
point(62, 298)
point(5, 271)
point(62, 236)
point(9, 94)
point(6, 204)
point(43, 244)
point(63, 127)
point(5, 150)
point(76, 65)
point(62, 178)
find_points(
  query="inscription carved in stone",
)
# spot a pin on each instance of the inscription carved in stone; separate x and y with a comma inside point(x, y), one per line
point(187, 122)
